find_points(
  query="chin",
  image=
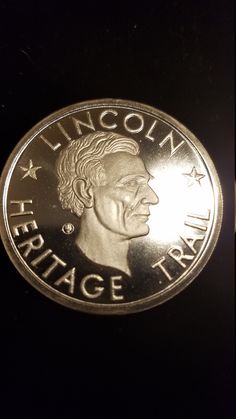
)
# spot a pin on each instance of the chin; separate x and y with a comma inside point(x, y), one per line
point(139, 231)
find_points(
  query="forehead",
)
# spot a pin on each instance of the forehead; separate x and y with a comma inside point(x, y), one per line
point(121, 164)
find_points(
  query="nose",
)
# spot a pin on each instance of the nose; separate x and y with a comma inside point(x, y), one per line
point(149, 196)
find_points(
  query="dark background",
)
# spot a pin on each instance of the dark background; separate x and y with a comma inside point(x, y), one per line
point(173, 361)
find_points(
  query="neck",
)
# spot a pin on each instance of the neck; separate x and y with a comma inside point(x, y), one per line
point(102, 245)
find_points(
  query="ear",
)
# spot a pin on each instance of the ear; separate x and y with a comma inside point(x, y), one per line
point(84, 192)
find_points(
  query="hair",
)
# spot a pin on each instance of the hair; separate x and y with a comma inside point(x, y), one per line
point(81, 159)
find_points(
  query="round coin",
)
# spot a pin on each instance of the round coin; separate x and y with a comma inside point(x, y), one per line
point(110, 206)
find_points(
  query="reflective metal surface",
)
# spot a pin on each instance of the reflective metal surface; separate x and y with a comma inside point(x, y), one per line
point(110, 206)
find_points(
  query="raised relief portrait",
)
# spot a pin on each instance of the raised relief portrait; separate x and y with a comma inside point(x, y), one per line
point(103, 180)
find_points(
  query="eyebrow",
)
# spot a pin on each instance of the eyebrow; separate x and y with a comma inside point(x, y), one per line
point(138, 175)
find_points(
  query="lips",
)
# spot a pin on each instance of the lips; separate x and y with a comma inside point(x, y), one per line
point(146, 214)
point(142, 216)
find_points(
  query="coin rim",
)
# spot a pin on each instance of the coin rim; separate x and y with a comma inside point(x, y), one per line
point(118, 308)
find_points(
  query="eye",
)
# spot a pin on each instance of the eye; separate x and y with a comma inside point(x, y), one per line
point(131, 183)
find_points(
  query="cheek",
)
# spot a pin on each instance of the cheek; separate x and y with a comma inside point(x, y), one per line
point(116, 199)
point(128, 200)
point(106, 206)
point(123, 198)
point(113, 207)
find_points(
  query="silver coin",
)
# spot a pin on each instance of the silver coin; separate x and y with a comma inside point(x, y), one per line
point(110, 206)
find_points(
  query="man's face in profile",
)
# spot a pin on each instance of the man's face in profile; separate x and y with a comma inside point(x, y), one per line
point(122, 204)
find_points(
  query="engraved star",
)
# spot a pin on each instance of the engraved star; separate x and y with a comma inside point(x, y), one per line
point(30, 171)
point(194, 176)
